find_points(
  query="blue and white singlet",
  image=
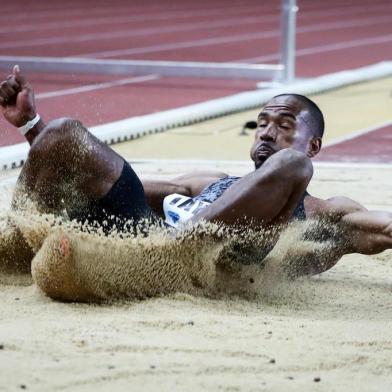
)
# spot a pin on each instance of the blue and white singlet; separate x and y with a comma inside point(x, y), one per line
point(179, 209)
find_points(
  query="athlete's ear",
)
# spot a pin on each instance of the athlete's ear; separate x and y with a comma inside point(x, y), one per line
point(314, 146)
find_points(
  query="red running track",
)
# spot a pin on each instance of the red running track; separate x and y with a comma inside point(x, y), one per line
point(374, 147)
point(331, 36)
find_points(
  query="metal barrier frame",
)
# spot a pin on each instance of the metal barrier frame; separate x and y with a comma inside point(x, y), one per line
point(278, 73)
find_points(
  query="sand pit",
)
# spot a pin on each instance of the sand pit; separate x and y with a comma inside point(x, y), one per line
point(331, 332)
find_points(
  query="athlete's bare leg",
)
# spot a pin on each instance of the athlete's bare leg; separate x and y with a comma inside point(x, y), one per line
point(67, 166)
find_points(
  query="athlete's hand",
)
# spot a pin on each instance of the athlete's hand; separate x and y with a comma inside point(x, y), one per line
point(17, 99)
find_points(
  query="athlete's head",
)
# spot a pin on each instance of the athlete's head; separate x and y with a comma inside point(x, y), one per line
point(288, 121)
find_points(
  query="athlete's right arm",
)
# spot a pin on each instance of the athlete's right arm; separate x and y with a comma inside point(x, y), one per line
point(17, 103)
point(156, 190)
point(190, 185)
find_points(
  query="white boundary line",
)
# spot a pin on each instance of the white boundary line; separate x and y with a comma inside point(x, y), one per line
point(199, 26)
point(238, 11)
point(67, 12)
point(246, 37)
point(110, 35)
point(358, 133)
point(99, 20)
point(213, 162)
point(11, 181)
point(356, 43)
point(183, 44)
point(97, 86)
point(352, 165)
point(115, 132)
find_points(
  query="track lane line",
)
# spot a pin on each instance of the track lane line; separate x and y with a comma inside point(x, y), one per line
point(121, 19)
point(190, 27)
point(175, 15)
point(97, 86)
point(10, 181)
point(324, 48)
point(137, 33)
point(358, 133)
point(234, 38)
point(65, 11)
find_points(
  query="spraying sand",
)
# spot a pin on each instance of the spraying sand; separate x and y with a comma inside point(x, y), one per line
point(72, 263)
point(331, 332)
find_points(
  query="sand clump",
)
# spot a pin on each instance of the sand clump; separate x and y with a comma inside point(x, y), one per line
point(101, 268)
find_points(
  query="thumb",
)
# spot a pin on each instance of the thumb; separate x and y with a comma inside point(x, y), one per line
point(18, 76)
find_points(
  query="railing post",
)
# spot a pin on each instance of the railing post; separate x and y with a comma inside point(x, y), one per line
point(289, 13)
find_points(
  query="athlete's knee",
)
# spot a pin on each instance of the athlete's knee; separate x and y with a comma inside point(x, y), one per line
point(64, 131)
point(57, 140)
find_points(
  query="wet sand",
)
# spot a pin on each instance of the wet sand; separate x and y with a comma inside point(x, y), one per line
point(331, 332)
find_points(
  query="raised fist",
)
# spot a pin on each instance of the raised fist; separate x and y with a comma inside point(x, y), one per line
point(17, 99)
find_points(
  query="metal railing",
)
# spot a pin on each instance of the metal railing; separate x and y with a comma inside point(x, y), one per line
point(278, 73)
point(289, 18)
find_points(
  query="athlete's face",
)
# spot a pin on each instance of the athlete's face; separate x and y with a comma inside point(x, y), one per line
point(281, 124)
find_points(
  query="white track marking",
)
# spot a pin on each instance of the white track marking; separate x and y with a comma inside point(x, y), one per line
point(166, 14)
point(353, 165)
point(130, 33)
point(155, 12)
point(358, 133)
point(9, 181)
point(190, 164)
point(249, 163)
point(97, 86)
point(100, 21)
point(183, 45)
point(191, 27)
point(237, 38)
point(66, 12)
point(382, 39)
point(176, 15)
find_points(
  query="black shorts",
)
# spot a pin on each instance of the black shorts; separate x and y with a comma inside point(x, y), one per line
point(123, 207)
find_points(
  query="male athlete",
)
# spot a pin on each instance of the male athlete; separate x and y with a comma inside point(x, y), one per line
point(68, 168)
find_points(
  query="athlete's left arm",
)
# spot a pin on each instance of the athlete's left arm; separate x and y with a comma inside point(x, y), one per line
point(371, 231)
point(190, 184)
point(367, 232)
point(156, 190)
